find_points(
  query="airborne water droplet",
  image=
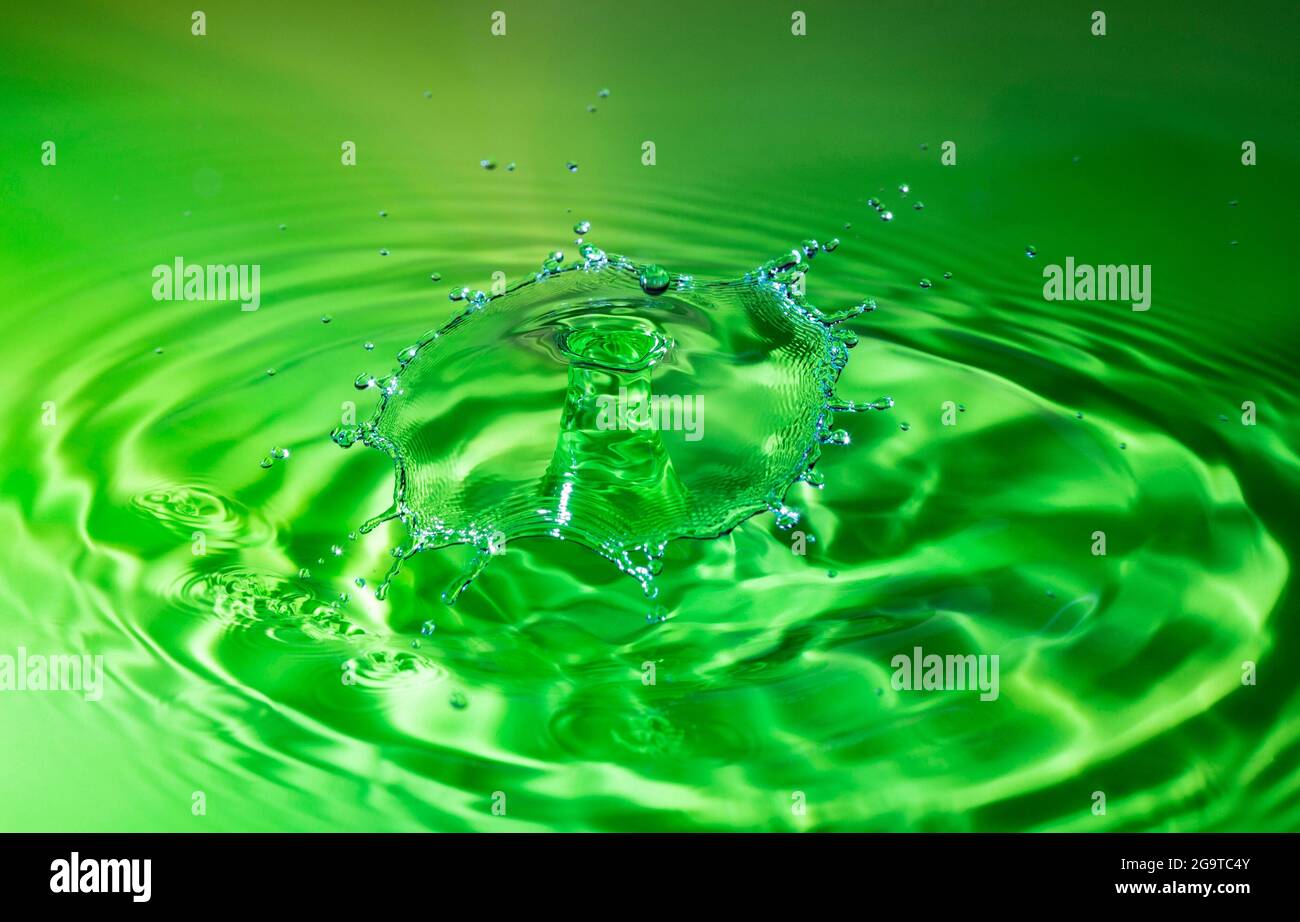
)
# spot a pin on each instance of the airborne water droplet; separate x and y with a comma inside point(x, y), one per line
point(654, 280)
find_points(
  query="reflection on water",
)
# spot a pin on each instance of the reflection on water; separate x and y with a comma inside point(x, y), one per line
point(771, 673)
point(249, 657)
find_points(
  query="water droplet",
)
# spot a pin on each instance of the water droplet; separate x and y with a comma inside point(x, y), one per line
point(435, 276)
point(383, 252)
point(336, 550)
point(904, 189)
point(428, 94)
point(831, 245)
point(304, 573)
point(947, 275)
point(603, 93)
point(571, 167)
point(383, 214)
point(270, 372)
point(487, 164)
point(582, 227)
point(906, 427)
point(1078, 415)
point(655, 280)
point(591, 108)
point(886, 216)
point(926, 283)
point(369, 347)
point(282, 227)
point(364, 382)
point(158, 351)
point(510, 167)
point(1031, 251)
point(360, 582)
point(428, 628)
point(459, 701)
point(1123, 446)
point(266, 462)
point(326, 319)
point(919, 206)
point(832, 573)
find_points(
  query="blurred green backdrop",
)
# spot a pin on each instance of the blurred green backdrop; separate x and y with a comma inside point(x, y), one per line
point(134, 426)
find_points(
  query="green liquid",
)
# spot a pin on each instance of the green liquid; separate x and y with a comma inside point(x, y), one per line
point(243, 659)
point(601, 404)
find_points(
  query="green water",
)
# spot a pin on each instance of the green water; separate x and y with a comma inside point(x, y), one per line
point(469, 416)
point(247, 655)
